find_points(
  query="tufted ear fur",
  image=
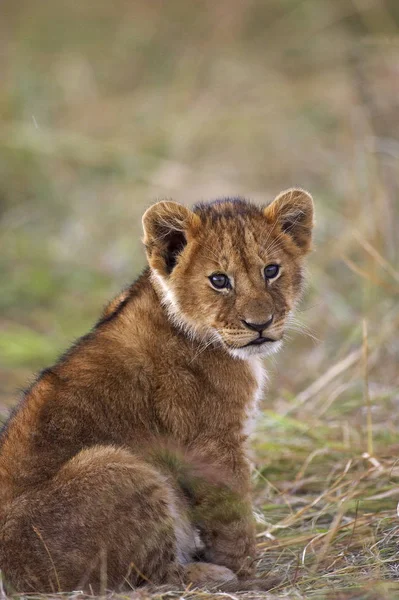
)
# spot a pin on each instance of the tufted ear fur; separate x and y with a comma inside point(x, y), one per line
point(293, 211)
point(167, 228)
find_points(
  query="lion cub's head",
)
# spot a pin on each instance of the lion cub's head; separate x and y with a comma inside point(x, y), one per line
point(230, 271)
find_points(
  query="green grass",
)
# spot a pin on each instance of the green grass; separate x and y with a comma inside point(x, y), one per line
point(105, 107)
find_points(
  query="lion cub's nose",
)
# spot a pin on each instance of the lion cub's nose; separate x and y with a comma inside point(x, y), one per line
point(258, 326)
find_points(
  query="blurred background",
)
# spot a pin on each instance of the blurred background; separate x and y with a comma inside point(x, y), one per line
point(106, 107)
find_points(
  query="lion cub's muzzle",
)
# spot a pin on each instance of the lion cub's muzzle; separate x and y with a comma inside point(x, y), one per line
point(244, 338)
point(260, 328)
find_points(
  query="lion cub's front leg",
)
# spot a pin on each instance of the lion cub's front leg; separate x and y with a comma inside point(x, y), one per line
point(228, 533)
point(223, 513)
point(214, 477)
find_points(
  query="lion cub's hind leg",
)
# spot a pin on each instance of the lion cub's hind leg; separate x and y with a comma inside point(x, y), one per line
point(107, 518)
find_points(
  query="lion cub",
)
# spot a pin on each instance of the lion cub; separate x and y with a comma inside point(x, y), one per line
point(125, 461)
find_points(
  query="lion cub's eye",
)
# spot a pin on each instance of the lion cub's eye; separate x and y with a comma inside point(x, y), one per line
point(271, 271)
point(220, 281)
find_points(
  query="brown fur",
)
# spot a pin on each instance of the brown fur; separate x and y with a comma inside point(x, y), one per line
point(131, 448)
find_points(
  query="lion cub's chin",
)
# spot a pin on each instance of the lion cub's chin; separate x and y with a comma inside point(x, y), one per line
point(259, 351)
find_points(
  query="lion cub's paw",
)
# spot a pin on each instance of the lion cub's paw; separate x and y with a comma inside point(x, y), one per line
point(202, 574)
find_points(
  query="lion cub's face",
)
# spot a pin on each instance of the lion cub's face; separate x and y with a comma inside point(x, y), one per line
point(230, 271)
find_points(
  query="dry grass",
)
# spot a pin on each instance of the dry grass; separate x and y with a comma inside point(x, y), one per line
point(107, 106)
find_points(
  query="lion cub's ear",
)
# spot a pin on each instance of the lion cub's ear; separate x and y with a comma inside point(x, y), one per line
point(168, 226)
point(293, 211)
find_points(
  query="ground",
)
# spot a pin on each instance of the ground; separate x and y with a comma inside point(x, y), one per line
point(106, 107)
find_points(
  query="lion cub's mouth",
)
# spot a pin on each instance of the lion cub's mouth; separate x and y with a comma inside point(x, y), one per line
point(259, 341)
